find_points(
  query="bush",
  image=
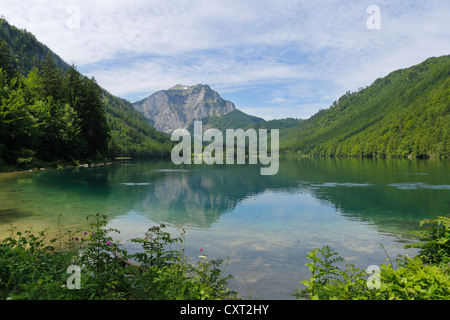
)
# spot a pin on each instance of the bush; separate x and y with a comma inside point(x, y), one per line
point(423, 277)
point(435, 241)
point(32, 267)
point(29, 267)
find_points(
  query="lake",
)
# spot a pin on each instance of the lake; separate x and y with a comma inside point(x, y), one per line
point(263, 226)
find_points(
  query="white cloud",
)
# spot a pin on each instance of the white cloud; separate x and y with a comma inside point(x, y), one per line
point(278, 100)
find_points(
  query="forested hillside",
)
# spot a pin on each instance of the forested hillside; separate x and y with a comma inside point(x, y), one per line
point(405, 114)
point(235, 119)
point(50, 112)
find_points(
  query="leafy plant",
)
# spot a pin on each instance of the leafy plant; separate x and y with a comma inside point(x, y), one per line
point(423, 277)
point(155, 247)
point(166, 273)
point(30, 265)
point(434, 243)
point(32, 268)
point(327, 277)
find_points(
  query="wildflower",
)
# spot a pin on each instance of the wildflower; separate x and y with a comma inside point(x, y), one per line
point(85, 233)
point(108, 243)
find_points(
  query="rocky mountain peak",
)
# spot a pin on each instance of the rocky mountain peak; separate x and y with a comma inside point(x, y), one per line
point(180, 105)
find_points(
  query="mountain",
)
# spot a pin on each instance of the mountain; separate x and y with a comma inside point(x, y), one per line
point(405, 114)
point(179, 106)
point(27, 51)
point(130, 133)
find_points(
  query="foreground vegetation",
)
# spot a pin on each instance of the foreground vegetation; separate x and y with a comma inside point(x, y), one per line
point(89, 265)
point(426, 276)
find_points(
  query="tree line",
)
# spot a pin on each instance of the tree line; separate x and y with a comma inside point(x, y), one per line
point(405, 114)
point(50, 114)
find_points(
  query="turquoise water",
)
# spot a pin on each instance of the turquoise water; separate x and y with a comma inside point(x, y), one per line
point(263, 225)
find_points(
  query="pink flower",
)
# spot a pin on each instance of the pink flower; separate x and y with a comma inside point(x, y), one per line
point(108, 243)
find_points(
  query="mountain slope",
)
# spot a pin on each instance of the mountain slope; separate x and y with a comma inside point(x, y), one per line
point(131, 135)
point(235, 119)
point(27, 51)
point(405, 114)
point(179, 106)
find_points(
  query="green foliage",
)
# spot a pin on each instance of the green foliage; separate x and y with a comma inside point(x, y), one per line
point(235, 119)
point(26, 51)
point(30, 266)
point(405, 114)
point(322, 269)
point(49, 109)
point(6, 61)
point(154, 243)
point(423, 277)
point(35, 267)
point(131, 135)
point(328, 280)
point(434, 243)
point(36, 118)
point(200, 281)
point(413, 281)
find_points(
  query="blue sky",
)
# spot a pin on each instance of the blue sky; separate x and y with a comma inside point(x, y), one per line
point(273, 59)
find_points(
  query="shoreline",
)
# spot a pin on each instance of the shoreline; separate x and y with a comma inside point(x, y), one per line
point(118, 160)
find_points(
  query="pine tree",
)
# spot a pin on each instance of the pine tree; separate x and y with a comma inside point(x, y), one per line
point(51, 79)
point(73, 87)
point(6, 61)
point(92, 113)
